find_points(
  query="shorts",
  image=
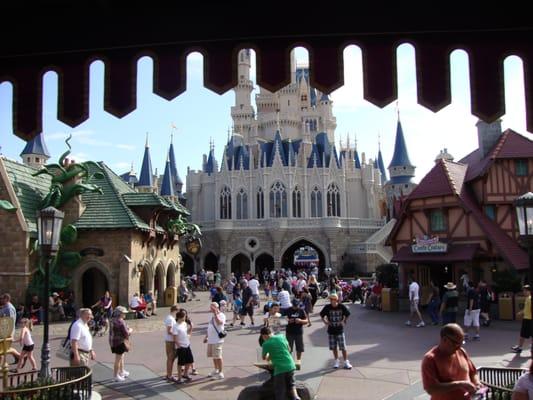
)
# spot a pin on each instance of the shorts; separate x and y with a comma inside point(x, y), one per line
point(337, 340)
point(247, 311)
point(525, 330)
point(414, 306)
point(169, 350)
point(184, 355)
point(120, 349)
point(472, 318)
point(297, 340)
point(214, 350)
point(28, 348)
point(283, 384)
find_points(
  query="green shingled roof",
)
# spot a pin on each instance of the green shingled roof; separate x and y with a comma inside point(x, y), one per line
point(110, 210)
point(30, 190)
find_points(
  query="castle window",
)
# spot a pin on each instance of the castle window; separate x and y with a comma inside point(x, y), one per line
point(437, 221)
point(36, 159)
point(334, 201)
point(520, 167)
point(225, 203)
point(242, 205)
point(278, 201)
point(260, 204)
point(297, 203)
point(316, 203)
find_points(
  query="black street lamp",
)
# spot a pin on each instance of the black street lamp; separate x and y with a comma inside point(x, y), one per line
point(524, 214)
point(49, 222)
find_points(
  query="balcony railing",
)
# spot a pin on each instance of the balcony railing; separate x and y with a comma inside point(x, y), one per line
point(295, 223)
point(65, 383)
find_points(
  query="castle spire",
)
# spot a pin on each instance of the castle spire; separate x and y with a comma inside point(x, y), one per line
point(146, 178)
point(35, 153)
point(167, 186)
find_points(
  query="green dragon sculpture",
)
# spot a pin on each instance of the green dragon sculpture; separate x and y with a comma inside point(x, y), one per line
point(180, 226)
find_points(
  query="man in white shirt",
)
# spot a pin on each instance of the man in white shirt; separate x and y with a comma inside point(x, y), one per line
point(414, 298)
point(81, 340)
point(214, 341)
point(253, 284)
point(169, 322)
point(356, 294)
point(284, 299)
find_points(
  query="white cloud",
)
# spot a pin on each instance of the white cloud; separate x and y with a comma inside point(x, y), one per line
point(124, 146)
point(122, 165)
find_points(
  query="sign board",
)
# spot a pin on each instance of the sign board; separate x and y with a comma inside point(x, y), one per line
point(429, 245)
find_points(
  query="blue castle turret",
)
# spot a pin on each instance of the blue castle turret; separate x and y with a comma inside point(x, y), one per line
point(35, 153)
point(167, 184)
point(176, 180)
point(146, 178)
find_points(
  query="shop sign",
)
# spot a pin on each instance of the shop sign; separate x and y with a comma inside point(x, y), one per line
point(429, 245)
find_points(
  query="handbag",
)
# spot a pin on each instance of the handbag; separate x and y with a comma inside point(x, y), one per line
point(64, 350)
point(221, 334)
point(127, 344)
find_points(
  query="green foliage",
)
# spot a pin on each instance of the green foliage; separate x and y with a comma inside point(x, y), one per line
point(69, 234)
point(7, 206)
point(180, 226)
point(506, 281)
point(387, 274)
point(70, 259)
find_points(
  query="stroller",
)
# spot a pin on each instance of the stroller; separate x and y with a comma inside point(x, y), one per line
point(99, 325)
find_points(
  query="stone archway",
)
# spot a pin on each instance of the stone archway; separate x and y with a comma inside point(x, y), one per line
point(159, 283)
point(240, 264)
point(287, 259)
point(188, 265)
point(263, 262)
point(146, 278)
point(90, 283)
point(211, 262)
point(171, 275)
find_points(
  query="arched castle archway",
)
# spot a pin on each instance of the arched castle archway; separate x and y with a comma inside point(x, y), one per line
point(263, 262)
point(159, 283)
point(90, 281)
point(211, 262)
point(171, 274)
point(188, 265)
point(287, 258)
point(240, 264)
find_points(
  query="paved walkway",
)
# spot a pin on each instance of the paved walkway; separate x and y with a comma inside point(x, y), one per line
point(386, 357)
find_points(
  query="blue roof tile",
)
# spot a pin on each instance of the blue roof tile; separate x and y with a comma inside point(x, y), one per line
point(146, 177)
point(400, 157)
point(36, 146)
point(167, 186)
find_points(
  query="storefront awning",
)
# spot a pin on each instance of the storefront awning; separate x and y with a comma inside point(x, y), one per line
point(455, 253)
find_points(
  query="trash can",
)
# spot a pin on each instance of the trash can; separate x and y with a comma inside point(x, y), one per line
point(505, 306)
point(389, 299)
point(519, 301)
point(171, 296)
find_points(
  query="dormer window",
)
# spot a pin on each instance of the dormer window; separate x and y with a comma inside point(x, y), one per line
point(437, 221)
point(520, 167)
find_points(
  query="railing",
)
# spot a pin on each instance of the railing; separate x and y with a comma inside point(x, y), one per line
point(73, 383)
point(500, 381)
point(297, 223)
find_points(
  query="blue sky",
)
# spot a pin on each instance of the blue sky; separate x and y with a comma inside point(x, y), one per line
point(200, 115)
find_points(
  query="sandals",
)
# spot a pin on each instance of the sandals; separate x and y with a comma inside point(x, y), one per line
point(171, 379)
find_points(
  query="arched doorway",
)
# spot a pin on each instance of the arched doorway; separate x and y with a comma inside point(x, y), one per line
point(287, 260)
point(159, 283)
point(145, 278)
point(94, 284)
point(188, 265)
point(240, 264)
point(263, 262)
point(211, 262)
point(171, 275)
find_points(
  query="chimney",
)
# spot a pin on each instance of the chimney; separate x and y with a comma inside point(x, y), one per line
point(488, 135)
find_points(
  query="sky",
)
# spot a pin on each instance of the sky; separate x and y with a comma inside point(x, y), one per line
point(199, 116)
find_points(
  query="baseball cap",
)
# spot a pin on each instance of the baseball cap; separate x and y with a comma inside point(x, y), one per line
point(295, 302)
point(55, 294)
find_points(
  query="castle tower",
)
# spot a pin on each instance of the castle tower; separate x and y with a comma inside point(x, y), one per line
point(167, 184)
point(243, 112)
point(35, 153)
point(401, 173)
point(176, 180)
point(146, 178)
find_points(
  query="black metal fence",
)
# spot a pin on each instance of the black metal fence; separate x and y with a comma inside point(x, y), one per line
point(500, 381)
point(74, 383)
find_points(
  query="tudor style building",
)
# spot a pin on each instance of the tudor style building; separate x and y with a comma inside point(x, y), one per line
point(122, 235)
point(461, 216)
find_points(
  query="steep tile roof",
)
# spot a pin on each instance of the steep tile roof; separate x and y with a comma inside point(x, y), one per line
point(30, 190)
point(510, 145)
point(400, 156)
point(445, 178)
point(36, 146)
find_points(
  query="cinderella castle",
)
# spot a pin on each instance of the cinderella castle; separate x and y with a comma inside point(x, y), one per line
point(283, 185)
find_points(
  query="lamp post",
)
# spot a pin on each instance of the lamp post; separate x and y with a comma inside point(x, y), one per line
point(49, 221)
point(524, 214)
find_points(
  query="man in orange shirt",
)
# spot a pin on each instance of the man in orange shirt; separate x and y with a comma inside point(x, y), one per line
point(447, 371)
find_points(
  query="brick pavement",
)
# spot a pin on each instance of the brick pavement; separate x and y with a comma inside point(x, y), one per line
point(386, 357)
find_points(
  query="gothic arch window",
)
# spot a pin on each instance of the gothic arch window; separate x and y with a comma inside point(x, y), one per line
point(225, 203)
point(316, 203)
point(242, 204)
point(278, 201)
point(297, 203)
point(260, 200)
point(334, 201)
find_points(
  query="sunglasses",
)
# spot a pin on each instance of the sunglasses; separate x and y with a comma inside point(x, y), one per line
point(455, 341)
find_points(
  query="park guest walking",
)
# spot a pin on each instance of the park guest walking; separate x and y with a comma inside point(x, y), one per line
point(170, 352)
point(28, 345)
point(526, 330)
point(119, 340)
point(296, 319)
point(335, 315)
point(183, 347)
point(214, 342)
point(81, 340)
